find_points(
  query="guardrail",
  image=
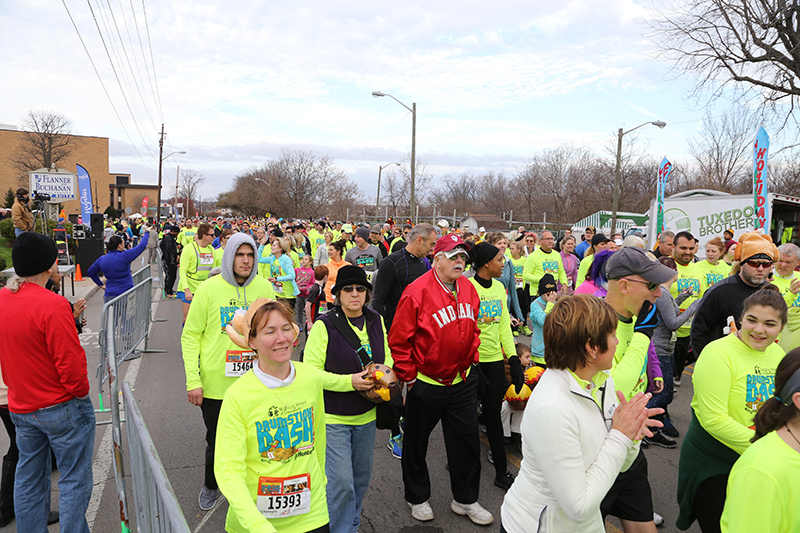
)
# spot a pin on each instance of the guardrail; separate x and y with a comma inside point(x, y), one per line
point(157, 508)
point(125, 319)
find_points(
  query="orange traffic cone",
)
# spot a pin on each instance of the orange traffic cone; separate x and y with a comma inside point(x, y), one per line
point(78, 276)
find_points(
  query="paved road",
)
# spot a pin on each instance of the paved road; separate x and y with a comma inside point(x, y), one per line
point(177, 431)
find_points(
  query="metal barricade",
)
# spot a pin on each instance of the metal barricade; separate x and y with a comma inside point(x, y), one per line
point(127, 320)
point(141, 274)
point(157, 508)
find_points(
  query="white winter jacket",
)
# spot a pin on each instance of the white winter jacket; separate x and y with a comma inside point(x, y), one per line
point(571, 457)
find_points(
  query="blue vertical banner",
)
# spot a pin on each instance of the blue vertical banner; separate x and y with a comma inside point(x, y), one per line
point(760, 201)
point(664, 170)
point(85, 195)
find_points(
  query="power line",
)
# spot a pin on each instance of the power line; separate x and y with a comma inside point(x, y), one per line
point(377, 142)
point(103, 85)
point(150, 45)
point(156, 99)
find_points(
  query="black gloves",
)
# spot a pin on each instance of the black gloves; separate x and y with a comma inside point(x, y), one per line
point(647, 320)
point(517, 374)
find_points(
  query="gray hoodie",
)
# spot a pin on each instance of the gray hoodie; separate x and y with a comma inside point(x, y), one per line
point(234, 242)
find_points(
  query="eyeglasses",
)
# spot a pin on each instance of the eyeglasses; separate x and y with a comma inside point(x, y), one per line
point(755, 264)
point(651, 285)
point(456, 257)
point(351, 288)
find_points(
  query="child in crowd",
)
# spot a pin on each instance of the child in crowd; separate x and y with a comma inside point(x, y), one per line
point(539, 309)
point(304, 277)
point(511, 416)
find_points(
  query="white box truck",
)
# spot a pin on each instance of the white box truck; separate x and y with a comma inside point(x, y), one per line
point(706, 214)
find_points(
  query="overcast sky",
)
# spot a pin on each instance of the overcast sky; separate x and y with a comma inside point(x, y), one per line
point(238, 80)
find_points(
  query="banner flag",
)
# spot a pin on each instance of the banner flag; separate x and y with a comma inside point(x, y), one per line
point(760, 203)
point(85, 195)
point(144, 205)
point(664, 170)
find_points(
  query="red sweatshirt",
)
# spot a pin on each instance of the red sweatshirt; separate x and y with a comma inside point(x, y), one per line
point(434, 331)
point(42, 359)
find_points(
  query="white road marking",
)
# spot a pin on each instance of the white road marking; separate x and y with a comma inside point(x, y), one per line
point(101, 466)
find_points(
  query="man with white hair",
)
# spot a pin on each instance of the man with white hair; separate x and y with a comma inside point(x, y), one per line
point(434, 342)
point(444, 227)
point(785, 277)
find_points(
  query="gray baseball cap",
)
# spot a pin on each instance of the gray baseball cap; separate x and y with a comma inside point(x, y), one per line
point(634, 261)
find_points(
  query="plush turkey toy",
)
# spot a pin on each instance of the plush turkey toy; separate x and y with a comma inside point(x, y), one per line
point(239, 328)
point(386, 387)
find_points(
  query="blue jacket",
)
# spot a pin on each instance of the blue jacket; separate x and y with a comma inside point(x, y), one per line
point(508, 281)
point(116, 267)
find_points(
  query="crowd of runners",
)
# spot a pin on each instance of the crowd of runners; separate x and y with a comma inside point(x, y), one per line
point(402, 327)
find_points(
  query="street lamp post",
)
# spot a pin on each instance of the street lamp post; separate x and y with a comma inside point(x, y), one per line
point(413, 110)
point(378, 197)
point(160, 161)
point(660, 124)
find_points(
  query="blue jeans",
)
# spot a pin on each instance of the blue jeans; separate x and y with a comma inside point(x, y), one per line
point(348, 465)
point(67, 428)
point(664, 398)
point(18, 232)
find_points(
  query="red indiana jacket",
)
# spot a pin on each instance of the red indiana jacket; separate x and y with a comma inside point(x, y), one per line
point(434, 331)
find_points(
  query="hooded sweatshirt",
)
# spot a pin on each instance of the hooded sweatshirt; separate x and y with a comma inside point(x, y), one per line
point(204, 342)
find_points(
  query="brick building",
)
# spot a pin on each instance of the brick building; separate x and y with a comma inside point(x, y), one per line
point(92, 154)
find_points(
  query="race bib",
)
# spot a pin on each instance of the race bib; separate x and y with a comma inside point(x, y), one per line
point(238, 362)
point(283, 496)
point(278, 288)
point(518, 283)
point(206, 259)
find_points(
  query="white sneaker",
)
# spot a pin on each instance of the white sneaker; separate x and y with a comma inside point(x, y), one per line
point(421, 511)
point(474, 511)
point(658, 519)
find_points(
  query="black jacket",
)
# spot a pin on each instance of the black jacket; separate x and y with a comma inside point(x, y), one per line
point(395, 273)
point(169, 249)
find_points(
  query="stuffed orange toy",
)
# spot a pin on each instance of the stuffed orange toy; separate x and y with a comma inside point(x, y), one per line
point(238, 329)
point(386, 386)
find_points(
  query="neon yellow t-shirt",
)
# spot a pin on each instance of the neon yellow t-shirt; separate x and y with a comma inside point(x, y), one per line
point(519, 266)
point(540, 263)
point(630, 359)
point(762, 489)
point(218, 256)
point(689, 277)
point(731, 381)
point(204, 342)
point(316, 353)
point(271, 439)
point(196, 262)
point(792, 300)
point(494, 323)
point(714, 273)
point(583, 269)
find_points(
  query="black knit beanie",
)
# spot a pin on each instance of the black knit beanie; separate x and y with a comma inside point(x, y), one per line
point(33, 253)
point(483, 253)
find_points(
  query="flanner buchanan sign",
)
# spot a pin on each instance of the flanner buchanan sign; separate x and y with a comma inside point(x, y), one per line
point(60, 185)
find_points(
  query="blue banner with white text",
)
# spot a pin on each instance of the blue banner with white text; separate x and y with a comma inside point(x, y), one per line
point(85, 195)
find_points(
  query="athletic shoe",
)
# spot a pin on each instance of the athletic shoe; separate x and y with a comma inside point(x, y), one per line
point(474, 511)
point(515, 333)
point(677, 382)
point(421, 511)
point(207, 498)
point(669, 429)
point(658, 519)
point(489, 456)
point(396, 446)
point(526, 330)
point(645, 443)
point(660, 439)
point(483, 427)
point(504, 481)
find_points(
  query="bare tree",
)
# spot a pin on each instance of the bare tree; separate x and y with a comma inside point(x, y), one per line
point(396, 186)
point(190, 181)
point(457, 192)
point(784, 174)
point(752, 44)
point(720, 154)
point(47, 140)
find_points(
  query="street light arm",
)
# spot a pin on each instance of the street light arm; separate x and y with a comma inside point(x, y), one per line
point(170, 155)
point(389, 164)
point(378, 94)
point(659, 123)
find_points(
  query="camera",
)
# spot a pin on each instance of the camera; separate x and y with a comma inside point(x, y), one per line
point(40, 197)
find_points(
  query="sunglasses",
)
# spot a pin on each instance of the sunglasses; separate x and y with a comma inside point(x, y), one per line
point(351, 288)
point(756, 264)
point(456, 257)
point(651, 286)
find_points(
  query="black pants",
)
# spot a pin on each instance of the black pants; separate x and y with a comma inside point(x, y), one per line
point(9, 467)
point(680, 356)
point(171, 272)
point(709, 500)
point(456, 407)
point(210, 409)
point(493, 392)
point(524, 297)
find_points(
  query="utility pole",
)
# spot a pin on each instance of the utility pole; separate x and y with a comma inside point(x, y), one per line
point(160, 161)
point(175, 202)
